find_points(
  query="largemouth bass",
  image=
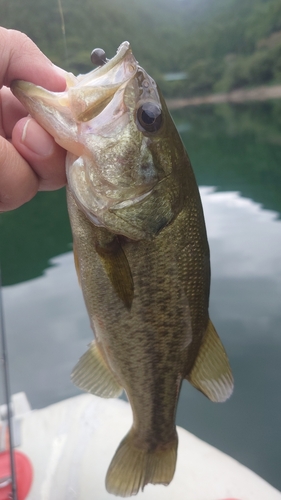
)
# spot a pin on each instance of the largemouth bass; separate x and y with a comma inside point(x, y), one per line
point(141, 255)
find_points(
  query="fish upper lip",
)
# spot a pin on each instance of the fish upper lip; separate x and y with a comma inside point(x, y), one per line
point(96, 73)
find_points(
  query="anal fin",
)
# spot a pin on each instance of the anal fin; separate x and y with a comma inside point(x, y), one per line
point(211, 372)
point(93, 375)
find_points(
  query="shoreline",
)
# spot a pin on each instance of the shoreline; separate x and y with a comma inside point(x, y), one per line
point(262, 93)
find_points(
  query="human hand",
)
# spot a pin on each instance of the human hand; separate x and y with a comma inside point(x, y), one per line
point(30, 160)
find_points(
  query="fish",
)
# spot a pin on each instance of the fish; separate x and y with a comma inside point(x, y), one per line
point(141, 254)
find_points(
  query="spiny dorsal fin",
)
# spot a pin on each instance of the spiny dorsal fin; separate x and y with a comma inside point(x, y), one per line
point(211, 373)
point(118, 270)
point(92, 374)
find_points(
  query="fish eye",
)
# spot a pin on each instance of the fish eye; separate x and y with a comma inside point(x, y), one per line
point(149, 117)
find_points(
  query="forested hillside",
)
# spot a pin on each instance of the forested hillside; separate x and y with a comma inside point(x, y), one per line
point(219, 44)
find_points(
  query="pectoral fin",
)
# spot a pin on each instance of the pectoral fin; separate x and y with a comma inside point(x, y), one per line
point(76, 262)
point(92, 374)
point(118, 270)
point(211, 373)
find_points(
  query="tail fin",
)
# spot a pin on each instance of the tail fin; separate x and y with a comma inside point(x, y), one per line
point(132, 468)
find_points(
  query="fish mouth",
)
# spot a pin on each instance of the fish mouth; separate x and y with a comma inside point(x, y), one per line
point(94, 91)
point(85, 96)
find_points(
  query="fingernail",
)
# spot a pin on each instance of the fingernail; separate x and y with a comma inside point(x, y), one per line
point(59, 70)
point(63, 74)
point(37, 139)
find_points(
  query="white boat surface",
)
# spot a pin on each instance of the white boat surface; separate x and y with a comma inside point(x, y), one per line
point(71, 443)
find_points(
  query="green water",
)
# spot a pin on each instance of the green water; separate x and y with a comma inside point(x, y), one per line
point(236, 154)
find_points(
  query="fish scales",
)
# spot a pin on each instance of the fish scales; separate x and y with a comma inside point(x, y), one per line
point(150, 342)
point(141, 255)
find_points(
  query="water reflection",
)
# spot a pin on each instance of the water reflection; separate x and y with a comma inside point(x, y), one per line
point(48, 329)
point(236, 148)
point(32, 235)
point(245, 239)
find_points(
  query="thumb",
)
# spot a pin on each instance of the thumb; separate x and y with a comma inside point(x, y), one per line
point(44, 155)
point(18, 182)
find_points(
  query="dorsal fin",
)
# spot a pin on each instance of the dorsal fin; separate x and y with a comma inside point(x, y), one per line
point(211, 373)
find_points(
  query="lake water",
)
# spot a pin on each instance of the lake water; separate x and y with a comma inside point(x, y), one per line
point(236, 155)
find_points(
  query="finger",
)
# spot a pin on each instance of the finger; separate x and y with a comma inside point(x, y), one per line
point(18, 182)
point(22, 59)
point(44, 155)
point(11, 111)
